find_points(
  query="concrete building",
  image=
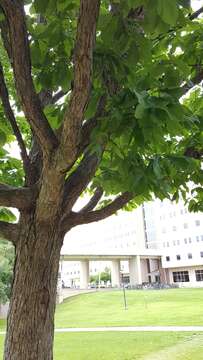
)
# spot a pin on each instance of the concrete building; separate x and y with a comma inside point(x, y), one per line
point(178, 235)
point(118, 243)
point(160, 241)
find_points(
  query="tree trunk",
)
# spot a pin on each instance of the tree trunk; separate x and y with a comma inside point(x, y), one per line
point(30, 328)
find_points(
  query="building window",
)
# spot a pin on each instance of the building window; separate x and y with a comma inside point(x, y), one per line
point(181, 276)
point(163, 230)
point(185, 241)
point(178, 257)
point(167, 244)
point(174, 228)
point(167, 258)
point(202, 237)
point(199, 275)
point(197, 238)
point(185, 225)
point(197, 222)
point(189, 255)
point(201, 254)
point(190, 240)
point(174, 242)
point(178, 242)
point(181, 211)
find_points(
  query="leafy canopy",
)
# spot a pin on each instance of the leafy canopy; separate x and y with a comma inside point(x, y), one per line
point(145, 59)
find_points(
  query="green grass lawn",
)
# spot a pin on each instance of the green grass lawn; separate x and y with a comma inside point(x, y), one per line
point(2, 324)
point(165, 307)
point(150, 307)
point(126, 346)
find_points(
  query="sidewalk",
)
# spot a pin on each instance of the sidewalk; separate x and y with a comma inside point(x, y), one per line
point(130, 329)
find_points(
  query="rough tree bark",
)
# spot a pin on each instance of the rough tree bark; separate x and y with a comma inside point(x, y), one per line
point(46, 200)
point(31, 316)
point(57, 169)
point(53, 179)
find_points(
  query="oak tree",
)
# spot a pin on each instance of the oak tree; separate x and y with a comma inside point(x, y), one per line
point(101, 96)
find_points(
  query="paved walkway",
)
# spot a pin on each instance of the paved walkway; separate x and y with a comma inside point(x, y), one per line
point(73, 292)
point(130, 329)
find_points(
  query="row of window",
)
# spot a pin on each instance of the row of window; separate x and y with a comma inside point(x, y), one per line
point(78, 272)
point(186, 241)
point(183, 276)
point(185, 226)
point(173, 214)
point(189, 255)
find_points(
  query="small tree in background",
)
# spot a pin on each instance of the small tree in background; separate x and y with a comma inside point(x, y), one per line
point(91, 90)
point(6, 270)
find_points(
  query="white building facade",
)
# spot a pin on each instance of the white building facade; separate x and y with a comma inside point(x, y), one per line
point(159, 242)
point(178, 235)
point(117, 243)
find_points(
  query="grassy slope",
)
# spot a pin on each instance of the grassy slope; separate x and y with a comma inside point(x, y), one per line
point(171, 307)
point(165, 307)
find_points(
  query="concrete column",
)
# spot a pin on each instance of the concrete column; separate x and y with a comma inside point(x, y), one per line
point(115, 273)
point(84, 274)
point(135, 271)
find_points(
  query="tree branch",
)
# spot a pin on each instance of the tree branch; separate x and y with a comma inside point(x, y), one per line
point(5, 38)
point(9, 231)
point(85, 218)
point(21, 63)
point(93, 201)
point(78, 181)
point(20, 198)
point(195, 14)
point(90, 125)
point(86, 32)
point(194, 153)
point(10, 116)
point(194, 81)
point(58, 96)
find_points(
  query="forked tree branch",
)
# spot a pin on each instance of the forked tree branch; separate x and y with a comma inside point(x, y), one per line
point(20, 53)
point(75, 219)
point(83, 59)
point(11, 118)
point(9, 231)
point(78, 181)
point(90, 125)
point(87, 129)
point(20, 198)
point(93, 201)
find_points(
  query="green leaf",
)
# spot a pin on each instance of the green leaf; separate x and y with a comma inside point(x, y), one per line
point(7, 215)
point(140, 111)
point(168, 11)
point(41, 6)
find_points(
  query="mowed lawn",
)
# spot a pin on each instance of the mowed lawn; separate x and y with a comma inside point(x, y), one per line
point(150, 307)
